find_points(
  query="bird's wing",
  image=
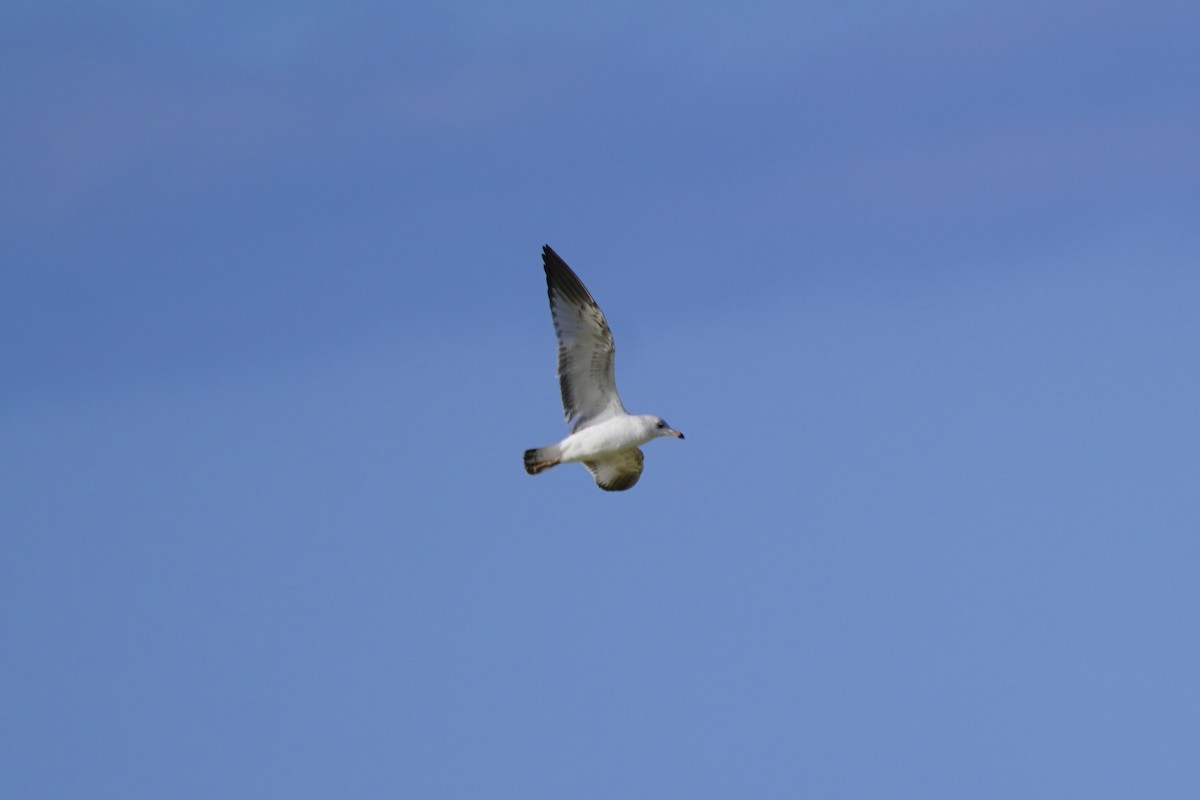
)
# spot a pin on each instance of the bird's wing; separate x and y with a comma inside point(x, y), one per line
point(585, 347)
point(617, 471)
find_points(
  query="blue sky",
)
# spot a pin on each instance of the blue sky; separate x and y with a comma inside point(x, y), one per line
point(919, 283)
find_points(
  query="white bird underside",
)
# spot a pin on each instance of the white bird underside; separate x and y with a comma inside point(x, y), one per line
point(604, 437)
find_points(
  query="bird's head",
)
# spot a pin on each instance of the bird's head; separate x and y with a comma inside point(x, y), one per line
point(661, 428)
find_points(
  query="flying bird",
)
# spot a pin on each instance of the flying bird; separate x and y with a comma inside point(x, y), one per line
point(604, 436)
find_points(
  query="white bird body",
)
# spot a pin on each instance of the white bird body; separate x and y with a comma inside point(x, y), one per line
point(607, 437)
point(604, 436)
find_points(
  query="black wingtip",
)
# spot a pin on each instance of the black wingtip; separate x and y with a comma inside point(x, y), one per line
point(561, 278)
point(550, 257)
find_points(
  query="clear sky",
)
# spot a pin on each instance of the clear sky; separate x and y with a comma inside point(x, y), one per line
point(920, 282)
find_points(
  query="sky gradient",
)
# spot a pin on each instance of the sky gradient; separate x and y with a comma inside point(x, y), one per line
point(919, 284)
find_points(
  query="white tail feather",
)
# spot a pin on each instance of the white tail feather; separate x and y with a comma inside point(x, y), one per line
point(542, 458)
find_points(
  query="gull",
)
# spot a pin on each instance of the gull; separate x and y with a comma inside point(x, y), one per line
point(604, 436)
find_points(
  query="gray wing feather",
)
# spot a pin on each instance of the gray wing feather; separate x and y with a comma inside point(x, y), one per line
point(618, 471)
point(585, 347)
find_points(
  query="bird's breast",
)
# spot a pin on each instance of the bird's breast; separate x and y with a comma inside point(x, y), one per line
point(602, 438)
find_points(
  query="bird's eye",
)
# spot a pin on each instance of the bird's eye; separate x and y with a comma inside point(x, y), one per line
point(662, 424)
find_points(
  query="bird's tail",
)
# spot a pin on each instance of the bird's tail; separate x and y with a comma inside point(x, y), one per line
point(542, 458)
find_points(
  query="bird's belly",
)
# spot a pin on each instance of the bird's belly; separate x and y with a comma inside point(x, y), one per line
point(599, 440)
